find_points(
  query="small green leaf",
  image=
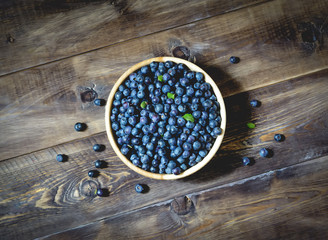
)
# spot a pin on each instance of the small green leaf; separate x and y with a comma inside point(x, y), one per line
point(129, 146)
point(189, 117)
point(160, 78)
point(250, 125)
point(143, 104)
point(171, 95)
point(162, 135)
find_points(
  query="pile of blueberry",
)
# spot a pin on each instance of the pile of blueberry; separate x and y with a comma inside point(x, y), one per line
point(165, 117)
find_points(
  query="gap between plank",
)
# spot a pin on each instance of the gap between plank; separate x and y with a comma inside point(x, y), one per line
point(130, 39)
point(231, 184)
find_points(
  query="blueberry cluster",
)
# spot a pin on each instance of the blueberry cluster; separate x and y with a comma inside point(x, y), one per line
point(165, 117)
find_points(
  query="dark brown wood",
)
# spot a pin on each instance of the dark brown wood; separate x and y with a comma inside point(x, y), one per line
point(36, 32)
point(51, 98)
point(41, 196)
point(287, 203)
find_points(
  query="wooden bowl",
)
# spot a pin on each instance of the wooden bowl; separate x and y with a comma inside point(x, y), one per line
point(216, 144)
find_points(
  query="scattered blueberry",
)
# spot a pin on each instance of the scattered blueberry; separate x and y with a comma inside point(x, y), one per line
point(279, 137)
point(98, 147)
point(93, 173)
point(246, 161)
point(234, 59)
point(61, 158)
point(80, 126)
point(99, 164)
point(255, 103)
point(101, 192)
point(99, 102)
point(264, 152)
point(140, 188)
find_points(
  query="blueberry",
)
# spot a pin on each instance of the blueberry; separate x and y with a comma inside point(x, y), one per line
point(255, 103)
point(159, 108)
point(176, 171)
point(125, 150)
point(234, 59)
point(99, 164)
point(246, 161)
point(203, 153)
point(197, 114)
point(196, 145)
point(216, 132)
point(93, 173)
point(197, 85)
point(100, 192)
point(171, 164)
point(144, 159)
point(190, 125)
point(179, 91)
point(140, 188)
point(198, 93)
point(182, 108)
point(199, 76)
point(184, 82)
point(82, 126)
point(186, 154)
point(98, 147)
point(99, 102)
point(279, 137)
point(178, 151)
point(183, 166)
point(61, 157)
point(187, 146)
point(264, 152)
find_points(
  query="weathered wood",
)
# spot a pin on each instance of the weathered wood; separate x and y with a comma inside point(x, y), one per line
point(287, 203)
point(266, 37)
point(36, 32)
point(40, 196)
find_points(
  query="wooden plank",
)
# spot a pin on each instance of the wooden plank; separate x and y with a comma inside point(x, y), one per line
point(40, 196)
point(288, 203)
point(37, 101)
point(36, 32)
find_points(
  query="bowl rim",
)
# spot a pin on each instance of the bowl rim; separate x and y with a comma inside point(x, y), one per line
point(216, 144)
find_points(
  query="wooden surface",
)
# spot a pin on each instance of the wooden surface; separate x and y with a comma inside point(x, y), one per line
point(56, 56)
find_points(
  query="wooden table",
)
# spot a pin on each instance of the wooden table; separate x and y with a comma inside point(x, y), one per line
point(57, 56)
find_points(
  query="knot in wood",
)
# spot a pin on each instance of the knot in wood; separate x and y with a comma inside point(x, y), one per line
point(88, 96)
point(181, 52)
point(89, 188)
point(182, 205)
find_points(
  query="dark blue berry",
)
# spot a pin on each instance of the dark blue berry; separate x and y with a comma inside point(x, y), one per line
point(255, 103)
point(99, 102)
point(93, 173)
point(140, 188)
point(99, 164)
point(98, 147)
point(82, 126)
point(279, 137)
point(234, 59)
point(61, 158)
point(264, 152)
point(246, 161)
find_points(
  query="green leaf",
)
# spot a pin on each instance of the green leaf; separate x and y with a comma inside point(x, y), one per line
point(143, 104)
point(129, 146)
point(160, 78)
point(250, 125)
point(189, 117)
point(171, 95)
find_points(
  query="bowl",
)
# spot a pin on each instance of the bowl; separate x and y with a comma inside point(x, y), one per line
point(190, 170)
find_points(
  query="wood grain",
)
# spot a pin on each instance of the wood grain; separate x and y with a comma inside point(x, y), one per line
point(36, 32)
point(287, 203)
point(40, 196)
point(47, 98)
